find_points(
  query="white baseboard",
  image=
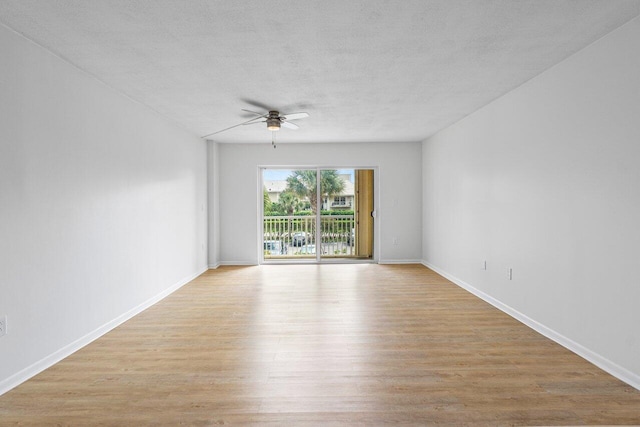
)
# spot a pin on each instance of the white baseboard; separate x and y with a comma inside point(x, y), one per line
point(214, 266)
point(237, 263)
point(400, 261)
point(603, 363)
point(50, 360)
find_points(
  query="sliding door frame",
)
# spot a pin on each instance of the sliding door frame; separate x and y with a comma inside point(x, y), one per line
point(319, 259)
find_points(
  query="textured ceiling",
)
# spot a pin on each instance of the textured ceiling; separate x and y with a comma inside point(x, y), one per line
point(364, 70)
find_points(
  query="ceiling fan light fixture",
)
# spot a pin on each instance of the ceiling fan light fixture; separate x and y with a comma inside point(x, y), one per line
point(273, 124)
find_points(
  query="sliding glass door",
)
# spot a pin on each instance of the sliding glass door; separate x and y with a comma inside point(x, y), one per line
point(337, 219)
point(317, 214)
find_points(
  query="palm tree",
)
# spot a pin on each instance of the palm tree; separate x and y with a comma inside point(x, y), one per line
point(266, 200)
point(303, 184)
point(288, 202)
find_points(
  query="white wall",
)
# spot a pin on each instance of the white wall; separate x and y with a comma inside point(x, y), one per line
point(102, 207)
point(546, 180)
point(399, 209)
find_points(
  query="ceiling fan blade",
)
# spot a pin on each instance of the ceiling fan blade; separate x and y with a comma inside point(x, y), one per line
point(255, 104)
point(257, 114)
point(248, 122)
point(289, 125)
point(295, 116)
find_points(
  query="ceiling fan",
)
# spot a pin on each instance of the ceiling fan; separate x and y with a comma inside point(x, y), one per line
point(273, 119)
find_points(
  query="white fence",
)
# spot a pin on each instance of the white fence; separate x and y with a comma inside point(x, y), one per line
point(295, 236)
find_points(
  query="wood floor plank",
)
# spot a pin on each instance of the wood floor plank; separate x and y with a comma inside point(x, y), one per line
point(322, 345)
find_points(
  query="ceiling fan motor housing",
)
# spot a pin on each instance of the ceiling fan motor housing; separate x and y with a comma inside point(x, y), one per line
point(273, 121)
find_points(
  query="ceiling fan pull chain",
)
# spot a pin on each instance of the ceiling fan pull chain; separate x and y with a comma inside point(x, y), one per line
point(273, 139)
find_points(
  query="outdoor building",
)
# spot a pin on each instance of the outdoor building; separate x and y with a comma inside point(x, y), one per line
point(274, 189)
point(342, 201)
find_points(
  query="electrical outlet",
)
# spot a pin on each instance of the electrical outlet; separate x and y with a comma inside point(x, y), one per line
point(509, 273)
point(3, 325)
point(484, 265)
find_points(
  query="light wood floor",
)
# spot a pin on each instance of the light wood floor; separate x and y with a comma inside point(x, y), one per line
point(322, 345)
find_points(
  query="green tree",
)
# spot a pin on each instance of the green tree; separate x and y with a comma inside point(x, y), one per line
point(268, 206)
point(303, 184)
point(288, 202)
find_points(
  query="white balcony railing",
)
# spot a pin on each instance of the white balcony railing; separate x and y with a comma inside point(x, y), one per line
point(295, 236)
